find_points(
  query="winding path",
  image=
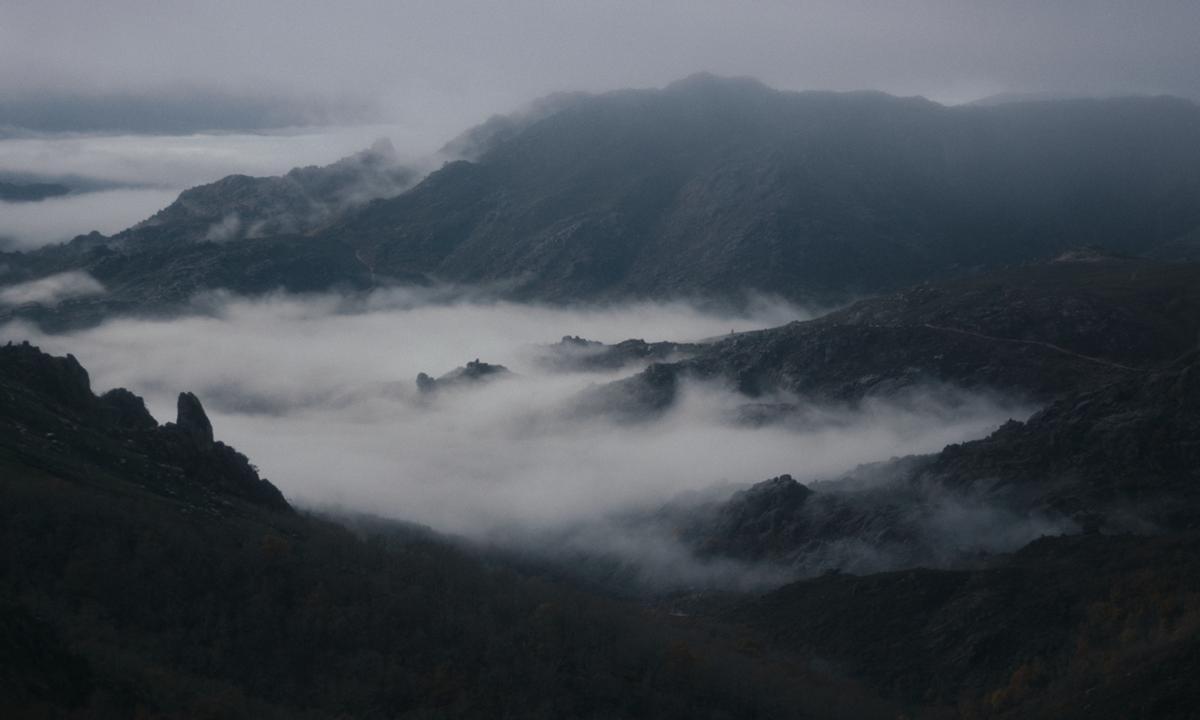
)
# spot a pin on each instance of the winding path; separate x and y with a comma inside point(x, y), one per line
point(1039, 343)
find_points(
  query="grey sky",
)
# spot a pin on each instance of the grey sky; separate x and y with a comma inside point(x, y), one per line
point(450, 63)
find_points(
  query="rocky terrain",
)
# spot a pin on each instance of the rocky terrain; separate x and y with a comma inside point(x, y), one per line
point(1040, 330)
point(1106, 346)
point(1088, 626)
point(576, 354)
point(1115, 459)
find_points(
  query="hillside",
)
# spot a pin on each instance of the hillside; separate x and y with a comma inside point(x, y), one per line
point(239, 207)
point(1075, 627)
point(714, 187)
point(1037, 330)
point(1116, 459)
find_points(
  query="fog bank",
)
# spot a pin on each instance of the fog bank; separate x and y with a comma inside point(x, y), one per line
point(28, 225)
point(324, 401)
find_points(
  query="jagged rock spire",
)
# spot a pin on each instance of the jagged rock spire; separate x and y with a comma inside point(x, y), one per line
point(191, 418)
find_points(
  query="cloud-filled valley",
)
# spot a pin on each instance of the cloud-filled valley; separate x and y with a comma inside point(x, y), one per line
point(321, 393)
point(598, 360)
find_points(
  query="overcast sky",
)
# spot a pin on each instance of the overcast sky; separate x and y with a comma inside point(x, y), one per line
point(447, 64)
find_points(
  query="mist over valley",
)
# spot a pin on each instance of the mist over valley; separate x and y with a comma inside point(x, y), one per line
point(831, 360)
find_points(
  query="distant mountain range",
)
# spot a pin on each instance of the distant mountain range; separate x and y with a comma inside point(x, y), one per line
point(30, 192)
point(710, 188)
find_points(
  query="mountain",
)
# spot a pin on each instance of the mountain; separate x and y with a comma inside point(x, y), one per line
point(714, 187)
point(576, 354)
point(30, 192)
point(242, 234)
point(1038, 330)
point(162, 278)
point(148, 570)
point(711, 188)
point(240, 207)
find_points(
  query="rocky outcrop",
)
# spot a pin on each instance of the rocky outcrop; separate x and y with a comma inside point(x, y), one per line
point(576, 354)
point(128, 410)
point(61, 379)
point(755, 524)
point(472, 373)
point(50, 418)
point(192, 420)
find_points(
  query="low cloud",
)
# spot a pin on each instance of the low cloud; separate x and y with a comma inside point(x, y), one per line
point(121, 180)
point(179, 161)
point(323, 398)
point(229, 228)
point(24, 226)
point(51, 290)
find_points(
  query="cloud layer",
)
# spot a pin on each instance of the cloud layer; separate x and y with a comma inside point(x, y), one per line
point(449, 64)
point(323, 399)
point(28, 225)
point(51, 289)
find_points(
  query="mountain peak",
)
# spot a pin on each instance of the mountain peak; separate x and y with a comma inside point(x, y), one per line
point(711, 82)
point(382, 146)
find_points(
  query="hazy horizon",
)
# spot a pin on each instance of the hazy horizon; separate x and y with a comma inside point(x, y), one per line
point(153, 98)
point(272, 64)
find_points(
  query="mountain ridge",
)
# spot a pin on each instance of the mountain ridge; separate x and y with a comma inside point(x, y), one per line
point(714, 188)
